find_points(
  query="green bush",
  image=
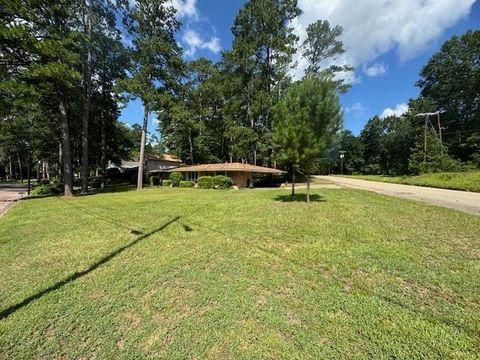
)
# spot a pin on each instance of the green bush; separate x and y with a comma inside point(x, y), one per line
point(187, 184)
point(47, 190)
point(166, 183)
point(222, 182)
point(95, 182)
point(175, 178)
point(44, 181)
point(154, 180)
point(205, 182)
point(77, 182)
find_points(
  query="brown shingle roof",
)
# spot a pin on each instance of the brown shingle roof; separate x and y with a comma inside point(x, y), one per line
point(166, 157)
point(228, 167)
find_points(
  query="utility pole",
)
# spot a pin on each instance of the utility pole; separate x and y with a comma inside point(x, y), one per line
point(440, 130)
point(425, 130)
point(425, 136)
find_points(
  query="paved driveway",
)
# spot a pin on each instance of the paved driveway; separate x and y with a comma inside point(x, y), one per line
point(9, 193)
point(460, 200)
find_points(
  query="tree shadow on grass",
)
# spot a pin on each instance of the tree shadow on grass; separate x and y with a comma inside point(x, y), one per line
point(299, 198)
point(8, 311)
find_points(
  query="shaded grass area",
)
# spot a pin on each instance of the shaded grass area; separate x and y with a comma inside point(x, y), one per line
point(188, 273)
point(466, 181)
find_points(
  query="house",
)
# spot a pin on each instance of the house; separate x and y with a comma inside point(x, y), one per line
point(154, 165)
point(241, 174)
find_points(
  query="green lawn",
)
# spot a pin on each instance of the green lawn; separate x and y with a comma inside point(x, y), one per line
point(467, 181)
point(188, 273)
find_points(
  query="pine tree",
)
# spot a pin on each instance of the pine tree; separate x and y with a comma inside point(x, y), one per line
point(156, 59)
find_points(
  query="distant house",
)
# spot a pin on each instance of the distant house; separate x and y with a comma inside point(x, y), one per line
point(241, 174)
point(154, 165)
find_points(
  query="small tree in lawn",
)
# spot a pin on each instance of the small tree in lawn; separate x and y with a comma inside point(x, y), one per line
point(304, 124)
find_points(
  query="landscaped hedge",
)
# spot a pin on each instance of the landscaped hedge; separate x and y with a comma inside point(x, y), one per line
point(215, 182)
point(48, 189)
point(205, 182)
point(154, 180)
point(187, 184)
point(175, 178)
point(222, 182)
point(166, 183)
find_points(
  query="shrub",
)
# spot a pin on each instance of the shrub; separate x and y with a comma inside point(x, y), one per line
point(222, 182)
point(44, 181)
point(205, 182)
point(47, 190)
point(154, 180)
point(77, 182)
point(187, 184)
point(166, 182)
point(95, 182)
point(175, 178)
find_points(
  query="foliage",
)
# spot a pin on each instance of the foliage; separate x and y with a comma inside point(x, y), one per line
point(451, 79)
point(322, 44)
point(175, 178)
point(44, 181)
point(305, 123)
point(222, 182)
point(154, 180)
point(205, 182)
point(166, 183)
point(47, 189)
point(187, 184)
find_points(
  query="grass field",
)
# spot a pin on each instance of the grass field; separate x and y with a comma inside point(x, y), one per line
point(188, 273)
point(467, 181)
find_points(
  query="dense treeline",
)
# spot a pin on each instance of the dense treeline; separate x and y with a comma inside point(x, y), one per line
point(449, 84)
point(68, 66)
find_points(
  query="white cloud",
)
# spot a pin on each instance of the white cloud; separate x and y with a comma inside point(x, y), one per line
point(186, 8)
point(356, 107)
point(374, 70)
point(193, 41)
point(374, 27)
point(399, 110)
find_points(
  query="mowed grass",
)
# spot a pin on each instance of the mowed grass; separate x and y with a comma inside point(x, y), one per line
point(466, 181)
point(188, 273)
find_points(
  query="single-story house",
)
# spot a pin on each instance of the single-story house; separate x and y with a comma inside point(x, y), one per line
point(241, 174)
point(154, 165)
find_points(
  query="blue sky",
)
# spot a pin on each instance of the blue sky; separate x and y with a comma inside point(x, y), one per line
point(388, 43)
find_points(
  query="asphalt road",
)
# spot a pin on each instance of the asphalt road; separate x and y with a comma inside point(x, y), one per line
point(9, 193)
point(460, 200)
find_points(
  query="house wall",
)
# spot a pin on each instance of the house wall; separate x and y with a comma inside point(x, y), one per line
point(239, 178)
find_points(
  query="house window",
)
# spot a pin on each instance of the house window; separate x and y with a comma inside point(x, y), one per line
point(220, 173)
point(191, 175)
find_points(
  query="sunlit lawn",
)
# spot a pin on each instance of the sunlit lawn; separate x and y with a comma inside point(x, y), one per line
point(188, 273)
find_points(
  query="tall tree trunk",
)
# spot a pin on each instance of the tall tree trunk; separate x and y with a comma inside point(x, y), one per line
point(190, 142)
point(10, 170)
point(87, 81)
point(142, 148)
point(20, 167)
point(293, 183)
point(308, 188)
point(66, 149)
point(38, 171)
point(104, 151)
